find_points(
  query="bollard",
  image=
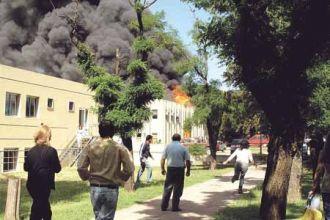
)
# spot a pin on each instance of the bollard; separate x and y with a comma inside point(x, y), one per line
point(13, 199)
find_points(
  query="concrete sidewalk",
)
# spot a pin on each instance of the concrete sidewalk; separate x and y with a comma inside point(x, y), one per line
point(200, 201)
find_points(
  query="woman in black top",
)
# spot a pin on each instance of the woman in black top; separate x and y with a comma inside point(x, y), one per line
point(41, 163)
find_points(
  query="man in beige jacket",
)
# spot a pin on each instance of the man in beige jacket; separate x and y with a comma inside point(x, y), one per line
point(107, 165)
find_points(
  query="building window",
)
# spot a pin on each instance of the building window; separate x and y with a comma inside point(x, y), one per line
point(50, 104)
point(154, 113)
point(10, 158)
point(12, 103)
point(32, 103)
point(71, 106)
point(154, 138)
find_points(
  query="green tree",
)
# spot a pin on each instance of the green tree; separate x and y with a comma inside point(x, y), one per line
point(319, 111)
point(269, 45)
point(210, 103)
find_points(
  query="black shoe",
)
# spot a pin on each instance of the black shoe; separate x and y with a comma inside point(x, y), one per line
point(233, 179)
point(164, 209)
point(176, 210)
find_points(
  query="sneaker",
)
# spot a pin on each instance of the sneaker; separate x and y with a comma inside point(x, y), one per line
point(176, 210)
point(164, 209)
point(240, 191)
point(233, 179)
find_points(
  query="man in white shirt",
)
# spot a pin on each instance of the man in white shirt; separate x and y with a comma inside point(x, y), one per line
point(244, 156)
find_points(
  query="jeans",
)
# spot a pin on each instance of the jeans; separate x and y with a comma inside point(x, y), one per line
point(174, 182)
point(40, 206)
point(104, 201)
point(144, 165)
point(240, 171)
point(326, 205)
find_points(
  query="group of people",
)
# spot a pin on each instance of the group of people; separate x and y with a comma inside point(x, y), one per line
point(106, 165)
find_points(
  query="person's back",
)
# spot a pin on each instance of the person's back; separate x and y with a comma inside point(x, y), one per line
point(42, 163)
point(176, 154)
point(107, 165)
point(244, 155)
point(105, 158)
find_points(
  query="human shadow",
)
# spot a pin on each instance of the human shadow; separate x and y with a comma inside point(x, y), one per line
point(211, 202)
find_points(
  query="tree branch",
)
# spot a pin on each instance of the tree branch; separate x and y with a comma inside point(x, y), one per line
point(150, 4)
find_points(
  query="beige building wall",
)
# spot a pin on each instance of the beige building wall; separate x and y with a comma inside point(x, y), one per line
point(17, 131)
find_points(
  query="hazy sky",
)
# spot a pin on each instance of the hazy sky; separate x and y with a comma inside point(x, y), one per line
point(180, 17)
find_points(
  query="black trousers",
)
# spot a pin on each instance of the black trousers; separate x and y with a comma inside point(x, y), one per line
point(174, 182)
point(40, 207)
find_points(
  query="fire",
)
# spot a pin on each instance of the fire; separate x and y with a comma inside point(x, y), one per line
point(180, 96)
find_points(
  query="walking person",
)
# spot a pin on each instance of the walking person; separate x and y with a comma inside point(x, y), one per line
point(321, 182)
point(178, 159)
point(107, 165)
point(41, 163)
point(144, 154)
point(244, 156)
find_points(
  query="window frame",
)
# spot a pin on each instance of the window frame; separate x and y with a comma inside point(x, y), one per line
point(10, 166)
point(50, 107)
point(154, 113)
point(36, 107)
point(8, 104)
point(73, 106)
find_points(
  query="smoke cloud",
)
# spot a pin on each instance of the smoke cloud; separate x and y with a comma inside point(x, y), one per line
point(34, 36)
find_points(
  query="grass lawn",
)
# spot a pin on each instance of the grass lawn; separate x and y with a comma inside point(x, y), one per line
point(71, 198)
point(247, 207)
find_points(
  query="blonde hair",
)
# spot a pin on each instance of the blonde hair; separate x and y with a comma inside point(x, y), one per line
point(43, 135)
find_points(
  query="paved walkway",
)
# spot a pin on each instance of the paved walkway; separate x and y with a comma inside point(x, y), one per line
point(200, 201)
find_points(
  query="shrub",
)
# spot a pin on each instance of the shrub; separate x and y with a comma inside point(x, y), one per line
point(197, 150)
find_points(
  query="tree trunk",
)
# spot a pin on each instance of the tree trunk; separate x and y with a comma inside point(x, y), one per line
point(294, 193)
point(129, 184)
point(213, 137)
point(276, 183)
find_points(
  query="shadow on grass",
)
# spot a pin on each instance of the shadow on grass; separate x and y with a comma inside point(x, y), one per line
point(66, 191)
point(212, 200)
point(153, 183)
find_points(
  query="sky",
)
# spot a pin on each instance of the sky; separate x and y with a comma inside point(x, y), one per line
point(179, 16)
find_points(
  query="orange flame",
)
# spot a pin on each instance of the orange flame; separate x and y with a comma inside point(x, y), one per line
point(180, 96)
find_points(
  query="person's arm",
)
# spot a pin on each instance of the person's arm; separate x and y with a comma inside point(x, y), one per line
point(149, 153)
point(230, 157)
point(128, 164)
point(162, 165)
point(55, 161)
point(83, 164)
point(27, 163)
point(188, 165)
point(187, 161)
point(251, 158)
point(162, 161)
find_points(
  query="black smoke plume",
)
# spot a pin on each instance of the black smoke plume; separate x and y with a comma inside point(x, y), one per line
point(35, 36)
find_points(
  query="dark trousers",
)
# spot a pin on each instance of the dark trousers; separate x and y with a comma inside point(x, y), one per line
point(326, 205)
point(40, 207)
point(240, 171)
point(174, 182)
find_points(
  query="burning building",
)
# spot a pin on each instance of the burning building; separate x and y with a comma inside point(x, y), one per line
point(28, 99)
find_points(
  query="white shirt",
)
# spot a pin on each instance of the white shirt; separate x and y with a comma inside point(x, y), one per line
point(243, 156)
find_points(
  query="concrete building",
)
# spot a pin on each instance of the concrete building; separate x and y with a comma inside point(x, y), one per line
point(28, 99)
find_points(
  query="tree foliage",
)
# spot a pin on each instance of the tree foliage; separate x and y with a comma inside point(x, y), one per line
point(268, 46)
point(319, 111)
